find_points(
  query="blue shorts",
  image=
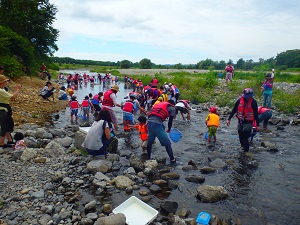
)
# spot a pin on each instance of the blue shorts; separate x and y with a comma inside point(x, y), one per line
point(74, 112)
point(128, 116)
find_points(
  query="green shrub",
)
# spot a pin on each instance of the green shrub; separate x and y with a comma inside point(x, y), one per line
point(12, 67)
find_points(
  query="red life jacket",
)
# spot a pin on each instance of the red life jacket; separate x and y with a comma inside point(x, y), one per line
point(107, 101)
point(229, 69)
point(146, 88)
point(143, 132)
point(185, 102)
point(141, 83)
point(128, 106)
point(262, 109)
point(161, 110)
point(85, 103)
point(154, 82)
point(245, 111)
point(74, 104)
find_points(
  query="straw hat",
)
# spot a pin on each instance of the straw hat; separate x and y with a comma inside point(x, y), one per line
point(115, 88)
point(3, 79)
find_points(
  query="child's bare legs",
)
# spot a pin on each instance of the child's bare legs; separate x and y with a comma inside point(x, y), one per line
point(215, 138)
point(208, 140)
point(72, 118)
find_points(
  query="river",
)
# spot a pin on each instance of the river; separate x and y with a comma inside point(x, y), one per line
point(266, 194)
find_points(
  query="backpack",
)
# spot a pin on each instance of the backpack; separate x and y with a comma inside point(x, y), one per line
point(106, 142)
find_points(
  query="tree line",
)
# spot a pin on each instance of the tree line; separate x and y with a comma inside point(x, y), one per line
point(284, 60)
point(28, 38)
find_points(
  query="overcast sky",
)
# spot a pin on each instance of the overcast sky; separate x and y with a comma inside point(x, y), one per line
point(176, 31)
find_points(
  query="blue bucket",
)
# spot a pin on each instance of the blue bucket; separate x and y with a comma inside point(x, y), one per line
point(175, 135)
point(203, 218)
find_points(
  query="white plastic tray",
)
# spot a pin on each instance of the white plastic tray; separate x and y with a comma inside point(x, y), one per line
point(136, 211)
point(84, 129)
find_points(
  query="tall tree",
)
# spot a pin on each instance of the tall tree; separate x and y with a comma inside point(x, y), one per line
point(145, 64)
point(33, 20)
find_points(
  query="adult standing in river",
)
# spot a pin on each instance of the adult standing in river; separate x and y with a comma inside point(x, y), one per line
point(246, 111)
point(110, 101)
point(6, 120)
point(159, 113)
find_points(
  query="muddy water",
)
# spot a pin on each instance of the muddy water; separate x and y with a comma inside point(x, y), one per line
point(267, 194)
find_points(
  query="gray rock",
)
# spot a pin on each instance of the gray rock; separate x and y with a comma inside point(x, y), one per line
point(130, 170)
point(218, 163)
point(207, 193)
point(122, 182)
point(39, 132)
point(115, 219)
point(195, 178)
point(86, 221)
point(207, 169)
point(38, 194)
point(136, 163)
point(53, 149)
point(92, 216)
point(45, 219)
point(65, 142)
point(91, 205)
point(169, 207)
point(28, 154)
point(79, 138)
point(66, 181)
point(47, 136)
point(170, 176)
point(99, 166)
point(154, 188)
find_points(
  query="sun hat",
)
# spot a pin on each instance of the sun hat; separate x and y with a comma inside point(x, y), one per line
point(3, 79)
point(248, 93)
point(170, 84)
point(132, 96)
point(115, 88)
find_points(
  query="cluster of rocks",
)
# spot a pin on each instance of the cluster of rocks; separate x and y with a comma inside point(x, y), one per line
point(44, 183)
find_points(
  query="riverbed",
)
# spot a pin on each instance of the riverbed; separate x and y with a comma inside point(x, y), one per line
point(265, 194)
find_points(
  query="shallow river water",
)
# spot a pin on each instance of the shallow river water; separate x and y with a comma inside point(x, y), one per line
point(268, 194)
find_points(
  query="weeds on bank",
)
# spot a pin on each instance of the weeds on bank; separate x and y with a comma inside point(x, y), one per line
point(202, 88)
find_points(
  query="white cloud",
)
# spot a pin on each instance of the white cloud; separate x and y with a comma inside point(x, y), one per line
point(210, 29)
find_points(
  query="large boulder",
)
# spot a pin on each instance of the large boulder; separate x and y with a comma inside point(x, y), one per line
point(122, 182)
point(99, 166)
point(28, 154)
point(115, 219)
point(54, 149)
point(207, 193)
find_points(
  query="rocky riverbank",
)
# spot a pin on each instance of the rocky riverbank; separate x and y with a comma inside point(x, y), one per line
point(52, 182)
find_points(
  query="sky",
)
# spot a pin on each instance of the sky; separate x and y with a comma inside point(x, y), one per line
point(176, 31)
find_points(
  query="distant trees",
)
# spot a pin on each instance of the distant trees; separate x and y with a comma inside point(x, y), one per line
point(145, 64)
point(125, 64)
point(289, 58)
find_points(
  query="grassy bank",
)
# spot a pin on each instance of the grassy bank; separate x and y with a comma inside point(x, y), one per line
point(202, 88)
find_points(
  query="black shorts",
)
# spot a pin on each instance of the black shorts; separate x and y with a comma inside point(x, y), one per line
point(6, 123)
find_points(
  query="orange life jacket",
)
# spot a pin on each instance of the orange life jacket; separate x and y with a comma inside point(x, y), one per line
point(161, 110)
point(245, 111)
point(213, 120)
point(107, 101)
point(128, 106)
point(74, 104)
point(143, 130)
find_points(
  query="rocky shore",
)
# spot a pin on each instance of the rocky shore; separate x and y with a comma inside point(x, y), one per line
point(48, 182)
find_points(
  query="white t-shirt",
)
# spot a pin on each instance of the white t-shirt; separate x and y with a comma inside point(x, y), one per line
point(93, 139)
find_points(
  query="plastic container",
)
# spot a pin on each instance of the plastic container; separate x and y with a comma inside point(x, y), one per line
point(136, 211)
point(203, 218)
point(175, 135)
point(206, 135)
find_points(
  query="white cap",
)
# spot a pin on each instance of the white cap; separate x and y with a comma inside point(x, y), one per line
point(74, 96)
point(272, 70)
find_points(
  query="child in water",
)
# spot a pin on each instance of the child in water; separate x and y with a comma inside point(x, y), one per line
point(212, 122)
point(19, 138)
point(74, 106)
point(143, 130)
